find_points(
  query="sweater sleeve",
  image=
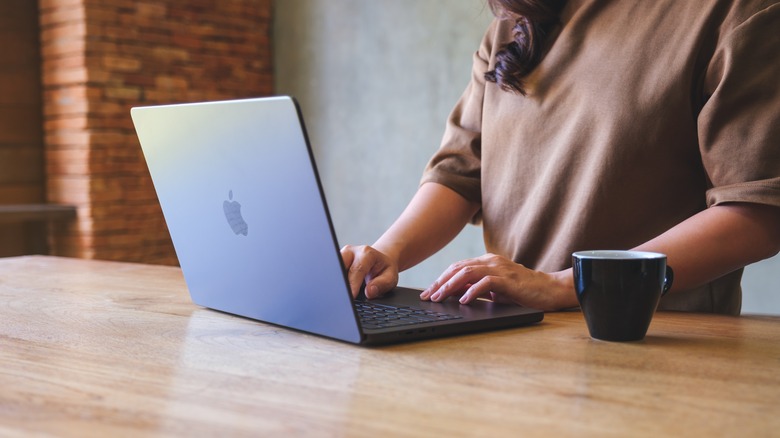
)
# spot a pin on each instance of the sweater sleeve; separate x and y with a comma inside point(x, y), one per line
point(457, 163)
point(739, 124)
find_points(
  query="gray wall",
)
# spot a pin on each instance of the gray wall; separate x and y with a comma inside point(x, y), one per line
point(761, 288)
point(376, 80)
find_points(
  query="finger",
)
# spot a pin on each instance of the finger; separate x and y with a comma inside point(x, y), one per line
point(500, 298)
point(347, 256)
point(383, 276)
point(484, 287)
point(443, 280)
point(358, 271)
point(445, 277)
point(376, 286)
point(460, 282)
point(437, 284)
point(355, 283)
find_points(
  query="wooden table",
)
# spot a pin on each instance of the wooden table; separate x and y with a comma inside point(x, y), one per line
point(91, 348)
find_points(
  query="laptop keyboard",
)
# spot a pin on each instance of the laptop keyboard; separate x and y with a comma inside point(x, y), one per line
point(379, 316)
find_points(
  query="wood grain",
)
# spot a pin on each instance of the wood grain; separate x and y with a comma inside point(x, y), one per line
point(90, 348)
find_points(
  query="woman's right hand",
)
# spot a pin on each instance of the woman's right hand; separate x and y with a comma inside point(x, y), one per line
point(434, 216)
point(366, 264)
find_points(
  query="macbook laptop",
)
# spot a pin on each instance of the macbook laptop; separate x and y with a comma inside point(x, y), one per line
point(247, 214)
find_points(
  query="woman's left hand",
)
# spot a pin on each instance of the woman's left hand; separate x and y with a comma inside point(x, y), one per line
point(500, 279)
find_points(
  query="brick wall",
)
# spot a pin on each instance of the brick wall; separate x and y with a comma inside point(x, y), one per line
point(21, 140)
point(100, 58)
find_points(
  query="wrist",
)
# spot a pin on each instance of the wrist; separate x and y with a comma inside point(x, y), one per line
point(392, 252)
point(564, 294)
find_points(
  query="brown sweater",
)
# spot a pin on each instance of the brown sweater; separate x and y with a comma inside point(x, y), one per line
point(640, 115)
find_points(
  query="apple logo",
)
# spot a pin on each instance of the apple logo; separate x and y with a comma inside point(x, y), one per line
point(233, 215)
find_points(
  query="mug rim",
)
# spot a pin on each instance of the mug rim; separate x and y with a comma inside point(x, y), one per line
point(618, 254)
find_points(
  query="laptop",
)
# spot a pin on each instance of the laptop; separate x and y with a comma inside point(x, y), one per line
point(247, 215)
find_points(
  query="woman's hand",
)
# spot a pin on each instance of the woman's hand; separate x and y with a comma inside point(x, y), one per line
point(365, 263)
point(432, 219)
point(501, 279)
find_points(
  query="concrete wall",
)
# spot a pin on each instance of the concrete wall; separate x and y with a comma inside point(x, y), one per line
point(376, 80)
point(761, 287)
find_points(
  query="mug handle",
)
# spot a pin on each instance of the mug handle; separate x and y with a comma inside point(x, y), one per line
point(668, 280)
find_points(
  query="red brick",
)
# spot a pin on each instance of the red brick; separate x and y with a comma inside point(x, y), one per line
point(68, 189)
point(63, 47)
point(51, 17)
point(121, 64)
point(77, 75)
point(71, 161)
point(148, 9)
point(76, 121)
point(123, 93)
point(102, 57)
point(48, 5)
point(66, 30)
point(68, 138)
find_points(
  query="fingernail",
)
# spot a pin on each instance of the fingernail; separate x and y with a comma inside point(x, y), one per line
point(436, 296)
point(373, 290)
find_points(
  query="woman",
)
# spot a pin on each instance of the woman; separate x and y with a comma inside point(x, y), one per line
point(602, 124)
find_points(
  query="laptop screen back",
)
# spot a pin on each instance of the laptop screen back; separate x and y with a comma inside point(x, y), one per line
point(246, 212)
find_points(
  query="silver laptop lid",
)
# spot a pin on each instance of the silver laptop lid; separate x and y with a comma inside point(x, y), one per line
point(246, 212)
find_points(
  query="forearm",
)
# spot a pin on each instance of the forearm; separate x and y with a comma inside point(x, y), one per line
point(434, 216)
point(702, 248)
point(717, 241)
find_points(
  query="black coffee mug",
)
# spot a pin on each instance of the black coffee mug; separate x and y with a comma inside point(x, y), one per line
point(619, 291)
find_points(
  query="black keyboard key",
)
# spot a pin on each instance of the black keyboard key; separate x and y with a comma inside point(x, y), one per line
point(376, 316)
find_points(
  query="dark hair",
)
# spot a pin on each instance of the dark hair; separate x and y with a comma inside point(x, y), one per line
point(533, 21)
